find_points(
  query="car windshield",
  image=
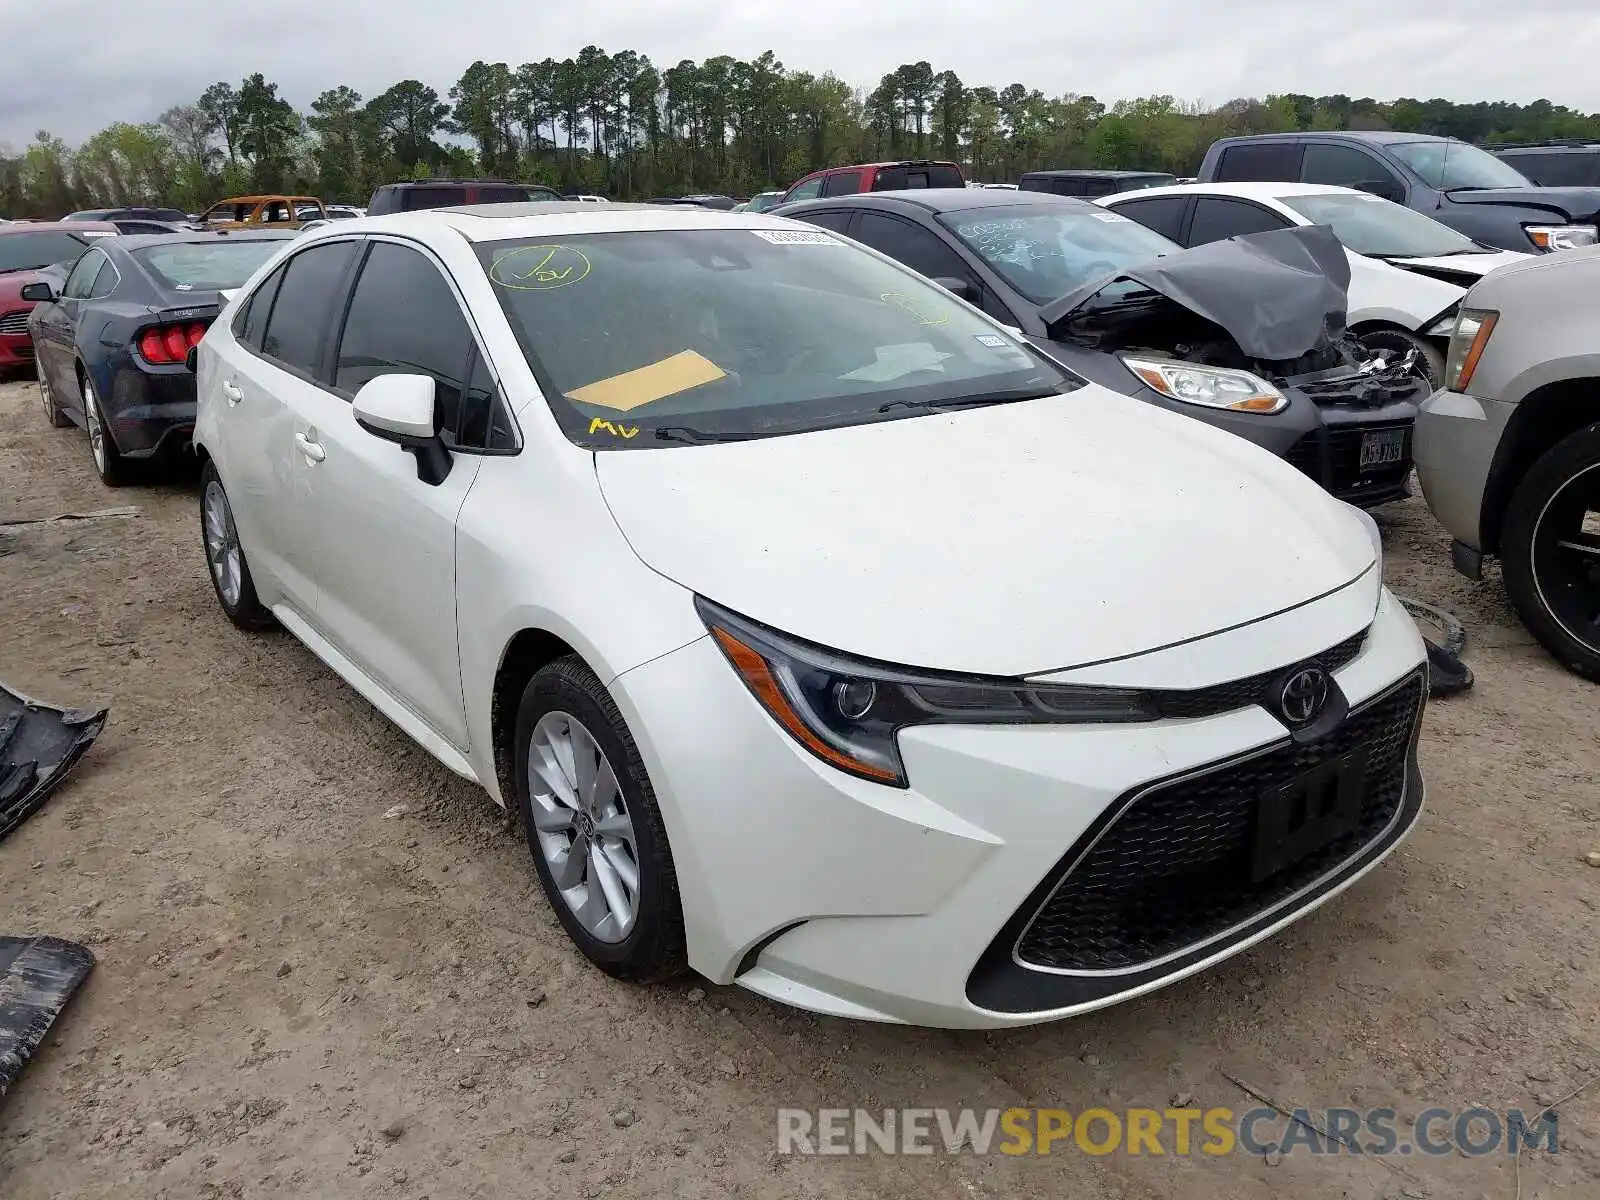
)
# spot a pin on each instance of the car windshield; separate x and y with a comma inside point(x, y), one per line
point(1375, 226)
point(1448, 166)
point(30, 251)
point(205, 266)
point(1046, 251)
point(647, 338)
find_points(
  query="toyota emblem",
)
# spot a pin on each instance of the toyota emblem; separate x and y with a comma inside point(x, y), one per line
point(1304, 695)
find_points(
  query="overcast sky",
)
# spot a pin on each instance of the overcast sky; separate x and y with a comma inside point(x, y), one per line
point(82, 69)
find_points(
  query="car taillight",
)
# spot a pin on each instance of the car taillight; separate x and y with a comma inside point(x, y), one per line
point(164, 345)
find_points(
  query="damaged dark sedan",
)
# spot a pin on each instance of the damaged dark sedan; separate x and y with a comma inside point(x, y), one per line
point(1247, 334)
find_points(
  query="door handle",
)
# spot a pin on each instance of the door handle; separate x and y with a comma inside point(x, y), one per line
point(312, 450)
point(233, 392)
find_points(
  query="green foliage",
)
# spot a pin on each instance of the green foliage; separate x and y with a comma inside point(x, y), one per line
point(619, 125)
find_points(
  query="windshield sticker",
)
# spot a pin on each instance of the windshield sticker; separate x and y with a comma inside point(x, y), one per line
point(668, 377)
point(894, 362)
point(540, 268)
point(992, 340)
point(1111, 217)
point(796, 237)
point(621, 431)
point(901, 300)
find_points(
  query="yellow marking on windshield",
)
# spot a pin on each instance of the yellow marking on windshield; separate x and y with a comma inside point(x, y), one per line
point(629, 390)
point(540, 268)
point(621, 431)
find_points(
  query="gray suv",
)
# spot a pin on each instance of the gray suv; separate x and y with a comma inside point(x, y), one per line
point(1508, 450)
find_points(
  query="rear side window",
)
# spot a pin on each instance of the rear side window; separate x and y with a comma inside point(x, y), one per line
point(404, 319)
point(943, 176)
point(835, 219)
point(1556, 169)
point(1049, 183)
point(506, 195)
point(431, 197)
point(1163, 214)
point(842, 183)
point(1216, 219)
point(303, 310)
point(1263, 162)
point(889, 179)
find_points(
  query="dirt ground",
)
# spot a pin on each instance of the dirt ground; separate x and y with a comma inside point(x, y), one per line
point(301, 996)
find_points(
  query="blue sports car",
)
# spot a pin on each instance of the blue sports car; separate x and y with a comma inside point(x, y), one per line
point(111, 339)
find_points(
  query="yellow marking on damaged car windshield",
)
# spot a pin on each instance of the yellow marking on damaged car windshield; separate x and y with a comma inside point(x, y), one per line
point(629, 390)
point(540, 268)
point(901, 300)
point(622, 431)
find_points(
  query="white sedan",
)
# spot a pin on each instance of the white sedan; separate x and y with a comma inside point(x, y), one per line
point(1408, 272)
point(827, 638)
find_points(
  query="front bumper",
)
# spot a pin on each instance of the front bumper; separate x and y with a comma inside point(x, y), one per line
point(1457, 437)
point(16, 348)
point(844, 897)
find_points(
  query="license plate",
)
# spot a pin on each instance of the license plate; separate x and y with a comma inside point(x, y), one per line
point(1305, 815)
point(1382, 447)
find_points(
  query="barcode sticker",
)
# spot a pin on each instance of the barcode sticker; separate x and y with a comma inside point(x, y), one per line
point(795, 237)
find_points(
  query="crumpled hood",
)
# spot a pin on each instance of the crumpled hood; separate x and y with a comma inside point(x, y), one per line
point(1476, 265)
point(1278, 294)
point(1008, 540)
point(1573, 203)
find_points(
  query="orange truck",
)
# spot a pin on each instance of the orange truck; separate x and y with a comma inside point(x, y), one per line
point(278, 212)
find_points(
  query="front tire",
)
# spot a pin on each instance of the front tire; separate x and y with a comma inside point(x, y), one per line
point(225, 561)
point(1429, 365)
point(1550, 551)
point(108, 462)
point(594, 828)
point(47, 397)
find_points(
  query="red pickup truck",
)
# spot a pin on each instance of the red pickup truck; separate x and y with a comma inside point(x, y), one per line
point(876, 177)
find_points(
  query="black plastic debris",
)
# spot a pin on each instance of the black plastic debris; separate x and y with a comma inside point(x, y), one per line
point(39, 744)
point(37, 978)
point(1447, 674)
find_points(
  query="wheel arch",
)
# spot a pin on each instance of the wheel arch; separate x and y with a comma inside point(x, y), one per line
point(528, 650)
point(1544, 417)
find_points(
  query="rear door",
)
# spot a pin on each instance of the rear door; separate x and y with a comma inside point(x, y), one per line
point(1219, 217)
point(384, 538)
point(1162, 214)
point(270, 391)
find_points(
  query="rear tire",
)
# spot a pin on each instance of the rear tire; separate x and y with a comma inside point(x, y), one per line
point(1430, 363)
point(108, 461)
point(569, 732)
point(1551, 566)
point(225, 561)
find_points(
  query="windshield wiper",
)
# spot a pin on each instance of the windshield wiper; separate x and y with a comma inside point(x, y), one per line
point(690, 436)
point(1008, 396)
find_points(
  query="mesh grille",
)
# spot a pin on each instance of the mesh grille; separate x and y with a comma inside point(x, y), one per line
point(1175, 868)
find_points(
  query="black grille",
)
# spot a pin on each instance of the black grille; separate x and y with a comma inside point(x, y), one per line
point(1241, 693)
point(1175, 867)
point(1332, 456)
point(14, 324)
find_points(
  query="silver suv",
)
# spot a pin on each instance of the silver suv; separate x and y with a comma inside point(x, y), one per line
point(1508, 451)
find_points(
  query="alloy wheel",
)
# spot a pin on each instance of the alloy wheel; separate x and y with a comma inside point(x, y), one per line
point(222, 544)
point(45, 397)
point(1566, 556)
point(583, 827)
point(91, 419)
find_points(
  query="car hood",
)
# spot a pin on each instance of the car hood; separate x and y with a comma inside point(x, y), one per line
point(1573, 203)
point(1008, 540)
point(1278, 294)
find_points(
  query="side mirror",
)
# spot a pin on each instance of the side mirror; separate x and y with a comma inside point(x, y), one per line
point(959, 287)
point(191, 360)
point(399, 409)
point(1388, 189)
point(38, 293)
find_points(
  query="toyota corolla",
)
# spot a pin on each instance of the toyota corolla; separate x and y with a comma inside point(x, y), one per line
point(827, 638)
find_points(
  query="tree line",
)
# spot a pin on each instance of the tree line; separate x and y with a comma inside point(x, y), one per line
point(618, 125)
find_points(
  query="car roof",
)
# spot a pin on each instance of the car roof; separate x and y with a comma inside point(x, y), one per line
point(1376, 136)
point(1244, 191)
point(138, 241)
point(59, 227)
point(939, 200)
point(496, 222)
point(265, 196)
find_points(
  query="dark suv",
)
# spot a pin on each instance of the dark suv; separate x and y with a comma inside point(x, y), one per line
point(1565, 163)
point(1454, 182)
point(451, 193)
point(1092, 183)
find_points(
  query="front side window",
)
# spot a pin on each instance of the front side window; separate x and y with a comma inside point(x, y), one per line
point(1344, 166)
point(80, 283)
point(1448, 166)
point(902, 241)
point(404, 320)
point(652, 338)
point(1372, 225)
point(105, 281)
point(303, 310)
point(1046, 250)
point(1217, 218)
point(809, 190)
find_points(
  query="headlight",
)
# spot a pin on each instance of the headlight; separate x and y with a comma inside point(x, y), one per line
point(1467, 340)
point(1212, 387)
point(1561, 237)
point(847, 711)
